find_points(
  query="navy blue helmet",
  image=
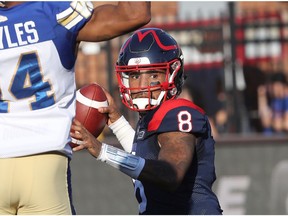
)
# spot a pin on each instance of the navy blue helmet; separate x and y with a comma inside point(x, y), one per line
point(150, 49)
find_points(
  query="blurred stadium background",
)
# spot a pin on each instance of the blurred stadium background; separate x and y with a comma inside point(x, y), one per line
point(230, 49)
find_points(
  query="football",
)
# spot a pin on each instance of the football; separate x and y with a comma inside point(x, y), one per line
point(88, 99)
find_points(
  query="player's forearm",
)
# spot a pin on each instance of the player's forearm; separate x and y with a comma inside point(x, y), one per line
point(131, 15)
point(138, 12)
point(156, 172)
point(109, 21)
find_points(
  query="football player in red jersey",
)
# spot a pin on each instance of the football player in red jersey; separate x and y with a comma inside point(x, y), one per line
point(171, 154)
point(38, 49)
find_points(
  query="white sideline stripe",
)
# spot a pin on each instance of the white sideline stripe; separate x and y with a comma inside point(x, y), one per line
point(88, 102)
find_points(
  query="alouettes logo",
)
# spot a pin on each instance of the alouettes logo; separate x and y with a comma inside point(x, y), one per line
point(3, 18)
point(137, 61)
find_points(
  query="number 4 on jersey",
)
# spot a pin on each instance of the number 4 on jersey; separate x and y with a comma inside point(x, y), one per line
point(28, 82)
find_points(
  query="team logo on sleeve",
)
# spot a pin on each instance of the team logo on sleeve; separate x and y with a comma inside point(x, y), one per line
point(140, 134)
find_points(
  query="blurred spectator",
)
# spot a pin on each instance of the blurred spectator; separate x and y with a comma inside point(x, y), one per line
point(273, 104)
point(254, 77)
point(205, 88)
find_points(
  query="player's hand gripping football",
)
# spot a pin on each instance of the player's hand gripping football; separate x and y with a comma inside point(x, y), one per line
point(89, 141)
point(112, 110)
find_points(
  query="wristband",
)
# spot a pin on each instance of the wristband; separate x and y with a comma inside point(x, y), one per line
point(129, 164)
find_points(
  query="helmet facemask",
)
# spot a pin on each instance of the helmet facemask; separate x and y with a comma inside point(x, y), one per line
point(147, 97)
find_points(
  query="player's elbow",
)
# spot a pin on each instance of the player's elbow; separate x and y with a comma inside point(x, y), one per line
point(172, 184)
point(161, 174)
point(171, 180)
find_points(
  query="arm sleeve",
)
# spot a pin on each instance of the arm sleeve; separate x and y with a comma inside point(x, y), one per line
point(124, 133)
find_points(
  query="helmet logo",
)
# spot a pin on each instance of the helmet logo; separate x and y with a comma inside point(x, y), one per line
point(137, 61)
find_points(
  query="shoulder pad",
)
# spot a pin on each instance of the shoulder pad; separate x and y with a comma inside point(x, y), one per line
point(178, 115)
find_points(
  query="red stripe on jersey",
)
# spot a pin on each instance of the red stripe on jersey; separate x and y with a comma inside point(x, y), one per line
point(166, 107)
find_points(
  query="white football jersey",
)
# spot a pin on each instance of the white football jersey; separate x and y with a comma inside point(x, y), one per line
point(37, 79)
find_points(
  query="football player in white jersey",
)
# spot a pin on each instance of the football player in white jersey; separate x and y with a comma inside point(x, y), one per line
point(38, 49)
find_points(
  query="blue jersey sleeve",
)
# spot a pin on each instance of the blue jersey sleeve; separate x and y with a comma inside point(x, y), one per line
point(71, 15)
point(178, 115)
